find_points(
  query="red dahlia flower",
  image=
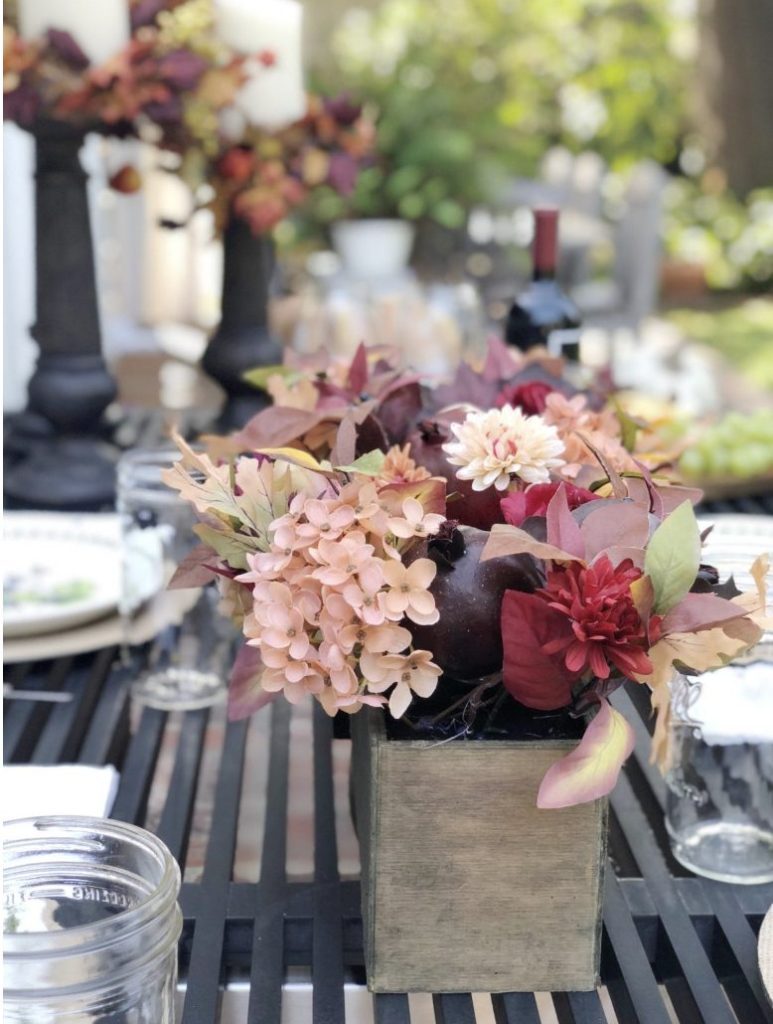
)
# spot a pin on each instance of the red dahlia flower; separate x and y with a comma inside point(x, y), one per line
point(531, 397)
point(606, 629)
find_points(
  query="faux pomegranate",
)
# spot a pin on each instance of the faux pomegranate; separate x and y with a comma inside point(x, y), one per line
point(466, 642)
point(472, 508)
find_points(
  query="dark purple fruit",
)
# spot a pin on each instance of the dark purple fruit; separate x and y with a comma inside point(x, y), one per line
point(473, 508)
point(466, 642)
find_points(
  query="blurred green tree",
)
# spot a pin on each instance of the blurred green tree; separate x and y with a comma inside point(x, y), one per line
point(471, 92)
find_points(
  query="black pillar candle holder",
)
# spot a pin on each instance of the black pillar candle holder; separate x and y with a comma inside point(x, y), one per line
point(63, 459)
point(243, 340)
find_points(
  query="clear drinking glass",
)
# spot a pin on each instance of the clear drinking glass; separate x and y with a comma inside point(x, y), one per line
point(719, 808)
point(190, 658)
point(90, 923)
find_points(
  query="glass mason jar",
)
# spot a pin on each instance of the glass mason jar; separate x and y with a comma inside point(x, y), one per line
point(719, 806)
point(190, 660)
point(91, 923)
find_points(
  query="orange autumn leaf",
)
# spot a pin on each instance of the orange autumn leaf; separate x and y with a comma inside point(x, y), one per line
point(708, 649)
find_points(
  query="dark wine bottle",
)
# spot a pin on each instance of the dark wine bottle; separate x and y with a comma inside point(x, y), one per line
point(543, 314)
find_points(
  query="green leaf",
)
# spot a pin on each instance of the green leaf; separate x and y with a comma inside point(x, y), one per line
point(629, 428)
point(232, 547)
point(369, 464)
point(673, 557)
point(260, 375)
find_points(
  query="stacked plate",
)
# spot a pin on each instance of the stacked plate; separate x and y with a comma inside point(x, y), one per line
point(59, 571)
point(62, 583)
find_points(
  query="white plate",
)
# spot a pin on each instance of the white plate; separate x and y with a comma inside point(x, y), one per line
point(60, 570)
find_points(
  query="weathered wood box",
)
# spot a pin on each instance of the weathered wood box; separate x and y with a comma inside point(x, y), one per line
point(466, 885)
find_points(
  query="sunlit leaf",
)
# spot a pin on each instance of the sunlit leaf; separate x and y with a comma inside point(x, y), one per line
point(590, 771)
point(696, 612)
point(260, 376)
point(511, 540)
point(296, 456)
point(369, 464)
point(673, 557)
point(430, 492)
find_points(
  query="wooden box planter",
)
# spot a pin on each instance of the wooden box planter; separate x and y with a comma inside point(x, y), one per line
point(466, 885)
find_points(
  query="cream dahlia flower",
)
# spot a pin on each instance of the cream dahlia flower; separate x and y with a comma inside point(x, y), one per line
point(493, 447)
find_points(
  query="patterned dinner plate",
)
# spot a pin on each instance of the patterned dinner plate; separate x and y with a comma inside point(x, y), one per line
point(60, 570)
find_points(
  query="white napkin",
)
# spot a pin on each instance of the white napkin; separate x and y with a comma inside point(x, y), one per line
point(35, 790)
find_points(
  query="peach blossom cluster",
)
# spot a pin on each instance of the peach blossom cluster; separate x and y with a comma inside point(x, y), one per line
point(572, 417)
point(330, 595)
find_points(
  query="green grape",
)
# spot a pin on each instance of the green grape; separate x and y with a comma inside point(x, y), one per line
point(692, 462)
point(739, 463)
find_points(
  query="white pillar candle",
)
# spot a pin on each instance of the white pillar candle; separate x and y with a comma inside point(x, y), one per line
point(99, 27)
point(274, 95)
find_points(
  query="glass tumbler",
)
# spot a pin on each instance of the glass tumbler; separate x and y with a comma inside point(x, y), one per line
point(190, 658)
point(90, 923)
point(719, 806)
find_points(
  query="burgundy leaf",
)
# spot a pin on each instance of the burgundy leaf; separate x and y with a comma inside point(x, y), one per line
point(343, 452)
point(501, 362)
point(618, 524)
point(700, 611)
point(671, 496)
point(398, 412)
point(168, 111)
point(194, 570)
point(331, 396)
point(562, 530)
point(66, 47)
point(144, 12)
point(245, 694)
point(371, 435)
point(534, 678)
point(276, 427)
point(342, 173)
point(358, 371)
point(656, 500)
point(343, 109)
point(22, 105)
point(467, 386)
point(182, 69)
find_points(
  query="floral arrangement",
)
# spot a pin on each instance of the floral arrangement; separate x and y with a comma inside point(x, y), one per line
point(262, 177)
point(512, 557)
point(175, 84)
point(171, 67)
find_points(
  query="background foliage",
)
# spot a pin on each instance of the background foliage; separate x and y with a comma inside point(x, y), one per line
point(471, 92)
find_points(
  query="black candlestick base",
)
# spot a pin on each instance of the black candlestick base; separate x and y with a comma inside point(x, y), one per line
point(74, 474)
point(230, 353)
point(243, 340)
point(59, 458)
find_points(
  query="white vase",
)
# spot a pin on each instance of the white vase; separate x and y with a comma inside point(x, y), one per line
point(373, 249)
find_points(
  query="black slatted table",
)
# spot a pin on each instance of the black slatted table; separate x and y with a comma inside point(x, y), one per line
point(286, 944)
